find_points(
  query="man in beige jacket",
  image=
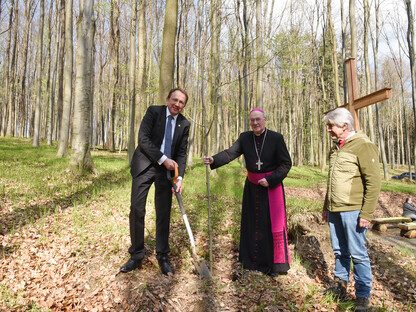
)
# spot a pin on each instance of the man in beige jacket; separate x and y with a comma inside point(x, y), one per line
point(352, 192)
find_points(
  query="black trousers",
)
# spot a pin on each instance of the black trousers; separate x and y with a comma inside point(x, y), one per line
point(163, 202)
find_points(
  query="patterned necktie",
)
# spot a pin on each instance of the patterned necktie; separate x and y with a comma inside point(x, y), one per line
point(168, 137)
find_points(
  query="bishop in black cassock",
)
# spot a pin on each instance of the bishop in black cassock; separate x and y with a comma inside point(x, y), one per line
point(263, 239)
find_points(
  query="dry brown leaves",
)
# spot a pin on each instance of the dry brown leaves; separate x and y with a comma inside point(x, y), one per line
point(51, 265)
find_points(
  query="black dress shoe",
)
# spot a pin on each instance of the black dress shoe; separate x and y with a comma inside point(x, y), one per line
point(164, 265)
point(131, 265)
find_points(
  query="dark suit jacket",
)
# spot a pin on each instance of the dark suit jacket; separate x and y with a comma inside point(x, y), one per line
point(151, 133)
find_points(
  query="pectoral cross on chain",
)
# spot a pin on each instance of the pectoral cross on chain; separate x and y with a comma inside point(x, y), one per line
point(259, 163)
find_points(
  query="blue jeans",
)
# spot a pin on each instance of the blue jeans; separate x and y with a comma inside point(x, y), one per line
point(348, 243)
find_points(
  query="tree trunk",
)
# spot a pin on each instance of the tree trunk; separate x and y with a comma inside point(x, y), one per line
point(60, 94)
point(67, 97)
point(334, 55)
point(50, 72)
point(245, 52)
point(141, 70)
point(260, 55)
point(353, 29)
point(196, 83)
point(114, 57)
point(8, 72)
point(411, 45)
point(39, 61)
point(378, 117)
point(167, 59)
point(81, 160)
point(29, 12)
point(367, 67)
point(214, 74)
point(132, 79)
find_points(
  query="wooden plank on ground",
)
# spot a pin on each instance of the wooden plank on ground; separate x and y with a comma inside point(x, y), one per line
point(391, 220)
point(407, 226)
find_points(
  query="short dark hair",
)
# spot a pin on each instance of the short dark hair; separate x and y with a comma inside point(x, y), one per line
point(181, 90)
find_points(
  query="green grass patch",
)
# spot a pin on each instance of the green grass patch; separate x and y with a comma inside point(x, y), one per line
point(88, 216)
point(306, 177)
point(398, 186)
point(35, 182)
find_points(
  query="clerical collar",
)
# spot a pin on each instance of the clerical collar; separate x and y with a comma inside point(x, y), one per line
point(258, 135)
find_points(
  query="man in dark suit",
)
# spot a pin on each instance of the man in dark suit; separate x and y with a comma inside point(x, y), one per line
point(163, 140)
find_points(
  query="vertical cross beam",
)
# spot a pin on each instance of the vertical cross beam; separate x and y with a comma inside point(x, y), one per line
point(355, 103)
point(352, 90)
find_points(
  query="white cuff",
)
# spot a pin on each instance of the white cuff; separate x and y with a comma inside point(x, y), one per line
point(162, 159)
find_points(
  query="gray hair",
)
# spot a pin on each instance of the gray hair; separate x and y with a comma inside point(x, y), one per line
point(340, 116)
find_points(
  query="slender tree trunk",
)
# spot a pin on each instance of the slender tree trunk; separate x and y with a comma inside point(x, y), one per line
point(214, 74)
point(378, 117)
point(353, 29)
point(196, 83)
point(60, 75)
point(81, 160)
point(367, 68)
point(132, 79)
point(260, 55)
point(114, 56)
point(9, 68)
point(22, 100)
point(334, 54)
point(92, 123)
point(141, 66)
point(39, 61)
point(51, 76)
point(12, 98)
point(246, 54)
point(167, 59)
point(343, 49)
point(411, 44)
point(67, 97)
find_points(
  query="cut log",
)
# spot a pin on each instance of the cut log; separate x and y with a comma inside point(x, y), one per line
point(408, 234)
point(391, 220)
point(407, 226)
point(380, 227)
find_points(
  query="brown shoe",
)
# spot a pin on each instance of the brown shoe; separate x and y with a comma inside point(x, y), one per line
point(362, 304)
point(339, 290)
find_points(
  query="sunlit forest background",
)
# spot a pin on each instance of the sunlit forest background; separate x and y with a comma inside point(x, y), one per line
point(80, 74)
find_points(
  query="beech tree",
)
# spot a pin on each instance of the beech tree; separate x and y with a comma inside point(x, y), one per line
point(67, 97)
point(132, 80)
point(411, 46)
point(36, 132)
point(229, 56)
point(167, 59)
point(81, 160)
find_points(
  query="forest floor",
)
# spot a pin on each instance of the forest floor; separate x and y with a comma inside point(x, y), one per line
point(47, 266)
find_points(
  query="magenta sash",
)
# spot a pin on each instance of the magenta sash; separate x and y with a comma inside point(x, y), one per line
point(277, 217)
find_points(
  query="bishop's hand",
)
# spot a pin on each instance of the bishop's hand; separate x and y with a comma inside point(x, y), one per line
point(208, 160)
point(263, 182)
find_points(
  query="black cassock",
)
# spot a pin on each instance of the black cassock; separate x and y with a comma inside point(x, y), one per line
point(256, 239)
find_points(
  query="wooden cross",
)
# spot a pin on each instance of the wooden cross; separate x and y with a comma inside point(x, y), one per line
point(355, 103)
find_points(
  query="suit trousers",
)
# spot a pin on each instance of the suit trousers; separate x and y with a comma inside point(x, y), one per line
point(163, 202)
